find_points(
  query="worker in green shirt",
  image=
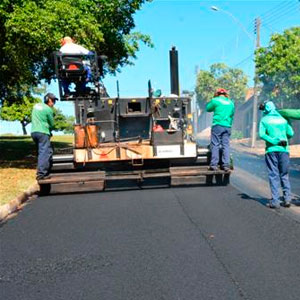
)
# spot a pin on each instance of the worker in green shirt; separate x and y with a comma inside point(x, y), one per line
point(42, 123)
point(275, 131)
point(223, 109)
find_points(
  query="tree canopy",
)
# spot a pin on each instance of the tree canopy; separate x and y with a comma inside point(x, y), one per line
point(221, 76)
point(19, 111)
point(62, 122)
point(30, 30)
point(278, 68)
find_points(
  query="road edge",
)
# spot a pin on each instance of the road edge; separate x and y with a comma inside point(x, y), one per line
point(13, 205)
point(260, 192)
point(292, 166)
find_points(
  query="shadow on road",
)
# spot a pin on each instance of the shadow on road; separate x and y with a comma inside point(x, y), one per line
point(295, 201)
point(262, 201)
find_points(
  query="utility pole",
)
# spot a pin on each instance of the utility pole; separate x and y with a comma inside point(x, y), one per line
point(196, 116)
point(255, 96)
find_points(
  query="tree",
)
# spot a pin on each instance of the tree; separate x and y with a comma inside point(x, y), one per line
point(30, 30)
point(19, 111)
point(62, 122)
point(278, 68)
point(220, 75)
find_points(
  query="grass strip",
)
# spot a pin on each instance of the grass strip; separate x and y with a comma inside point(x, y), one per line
point(18, 160)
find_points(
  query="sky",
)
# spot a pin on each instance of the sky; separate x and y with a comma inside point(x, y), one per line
point(202, 37)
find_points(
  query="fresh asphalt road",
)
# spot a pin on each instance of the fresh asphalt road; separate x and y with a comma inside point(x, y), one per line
point(172, 243)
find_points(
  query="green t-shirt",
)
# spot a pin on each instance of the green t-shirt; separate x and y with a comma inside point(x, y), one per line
point(273, 128)
point(223, 109)
point(42, 118)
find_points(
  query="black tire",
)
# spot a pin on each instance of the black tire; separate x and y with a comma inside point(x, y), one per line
point(219, 179)
point(209, 179)
point(45, 189)
point(226, 179)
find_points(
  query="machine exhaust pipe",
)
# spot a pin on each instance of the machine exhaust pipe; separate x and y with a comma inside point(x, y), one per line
point(174, 71)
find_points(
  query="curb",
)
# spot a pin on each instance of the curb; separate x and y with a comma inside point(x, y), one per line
point(13, 205)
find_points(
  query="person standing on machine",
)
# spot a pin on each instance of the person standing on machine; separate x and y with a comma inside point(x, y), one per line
point(275, 131)
point(68, 46)
point(223, 109)
point(42, 120)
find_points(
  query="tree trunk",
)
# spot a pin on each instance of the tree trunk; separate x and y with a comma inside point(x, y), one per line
point(24, 127)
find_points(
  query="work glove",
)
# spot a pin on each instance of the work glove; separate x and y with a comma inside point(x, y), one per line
point(283, 143)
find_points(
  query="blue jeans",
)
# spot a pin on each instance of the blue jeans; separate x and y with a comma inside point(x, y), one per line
point(220, 136)
point(80, 86)
point(45, 151)
point(278, 170)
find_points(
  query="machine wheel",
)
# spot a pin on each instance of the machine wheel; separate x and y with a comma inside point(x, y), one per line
point(45, 189)
point(219, 179)
point(209, 179)
point(226, 179)
point(222, 179)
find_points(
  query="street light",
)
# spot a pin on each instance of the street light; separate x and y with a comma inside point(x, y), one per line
point(255, 96)
point(235, 19)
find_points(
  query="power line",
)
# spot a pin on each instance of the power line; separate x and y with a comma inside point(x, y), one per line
point(277, 8)
point(244, 60)
point(278, 20)
point(267, 26)
point(279, 16)
point(281, 12)
point(269, 17)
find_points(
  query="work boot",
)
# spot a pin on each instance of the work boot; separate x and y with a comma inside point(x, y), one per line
point(212, 168)
point(272, 206)
point(286, 204)
point(42, 177)
point(225, 168)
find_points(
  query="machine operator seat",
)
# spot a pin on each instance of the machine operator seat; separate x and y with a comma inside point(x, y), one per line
point(72, 68)
point(79, 69)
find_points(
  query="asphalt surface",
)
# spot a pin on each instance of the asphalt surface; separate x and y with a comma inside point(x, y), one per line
point(179, 243)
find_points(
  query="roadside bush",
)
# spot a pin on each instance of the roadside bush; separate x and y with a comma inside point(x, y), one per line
point(237, 134)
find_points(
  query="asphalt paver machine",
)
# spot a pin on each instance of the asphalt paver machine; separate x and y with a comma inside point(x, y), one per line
point(126, 142)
